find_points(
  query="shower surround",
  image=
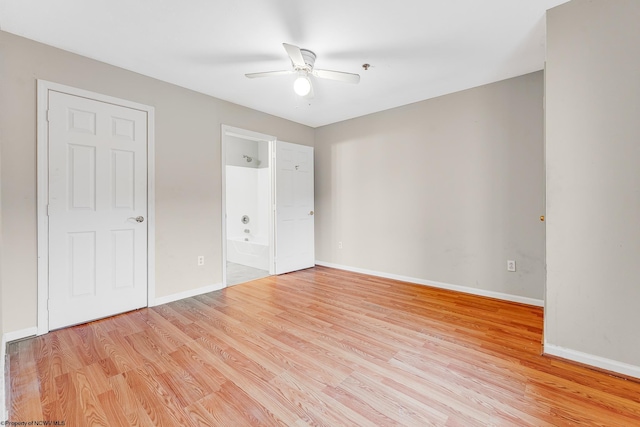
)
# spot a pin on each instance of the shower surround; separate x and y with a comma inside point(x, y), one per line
point(248, 203)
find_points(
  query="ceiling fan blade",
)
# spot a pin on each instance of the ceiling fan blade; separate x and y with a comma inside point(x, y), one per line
point(269, 74)
point(337, 75)
point(295, 55)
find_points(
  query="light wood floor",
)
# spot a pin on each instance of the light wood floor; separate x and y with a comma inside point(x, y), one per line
point(317, 347)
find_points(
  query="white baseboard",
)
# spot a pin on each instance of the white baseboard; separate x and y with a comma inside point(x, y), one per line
point(592, 360)
point(21, 334)
point(7, 338)
point(186, 294)
point(458, 288)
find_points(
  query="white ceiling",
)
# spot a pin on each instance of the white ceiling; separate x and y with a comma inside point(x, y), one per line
point(418, 49)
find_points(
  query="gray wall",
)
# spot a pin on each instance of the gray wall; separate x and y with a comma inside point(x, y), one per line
point(593, 179)
point(445, 190)
point(188, 171)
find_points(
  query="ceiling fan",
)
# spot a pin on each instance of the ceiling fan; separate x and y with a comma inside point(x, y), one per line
point(303, 61)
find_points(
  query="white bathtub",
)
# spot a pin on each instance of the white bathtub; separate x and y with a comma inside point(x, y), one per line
point(253, 253)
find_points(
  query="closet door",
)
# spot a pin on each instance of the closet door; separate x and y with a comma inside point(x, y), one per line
point(97, 209)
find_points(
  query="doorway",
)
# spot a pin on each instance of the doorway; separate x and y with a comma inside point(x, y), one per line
point(248, 231)
point(268, 225)
point(94, 207)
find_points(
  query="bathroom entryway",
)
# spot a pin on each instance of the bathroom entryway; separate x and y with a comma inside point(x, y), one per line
point(268, 206)
point(238, 273)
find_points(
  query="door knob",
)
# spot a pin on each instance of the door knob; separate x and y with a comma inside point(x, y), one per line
point(310, 212)
point(138, 218)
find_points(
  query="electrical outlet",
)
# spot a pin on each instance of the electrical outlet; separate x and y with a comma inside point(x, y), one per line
point(511, 265)
point(201, 260)
point(339, 245)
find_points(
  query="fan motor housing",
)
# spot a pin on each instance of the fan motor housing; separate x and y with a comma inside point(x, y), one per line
point(309, 58)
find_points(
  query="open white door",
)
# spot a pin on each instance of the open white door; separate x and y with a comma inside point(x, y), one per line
point(97, 207)
point(294, 230)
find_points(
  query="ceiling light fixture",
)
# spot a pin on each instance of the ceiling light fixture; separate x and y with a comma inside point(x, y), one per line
point(302, 85)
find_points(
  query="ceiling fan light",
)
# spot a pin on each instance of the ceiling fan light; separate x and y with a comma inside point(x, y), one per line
point(302, 86)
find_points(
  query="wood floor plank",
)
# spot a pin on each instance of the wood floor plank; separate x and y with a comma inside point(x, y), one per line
point(200, 417)
point(249, 411)
point(255, 386)
point(112, 409)
point(126, 400)
point(364, 408)
point(208, 378)
point(156, 401)
point(394, 404)
point(315, 347)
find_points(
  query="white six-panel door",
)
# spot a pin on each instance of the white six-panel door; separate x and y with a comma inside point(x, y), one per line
point(294, 234)
point(97, 209)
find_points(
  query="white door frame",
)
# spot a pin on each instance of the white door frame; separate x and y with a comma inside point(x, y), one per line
point(42, 159)
point(254, 136)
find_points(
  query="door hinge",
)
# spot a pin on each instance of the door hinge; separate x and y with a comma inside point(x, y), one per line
point(48, 209)
point(48, 111)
